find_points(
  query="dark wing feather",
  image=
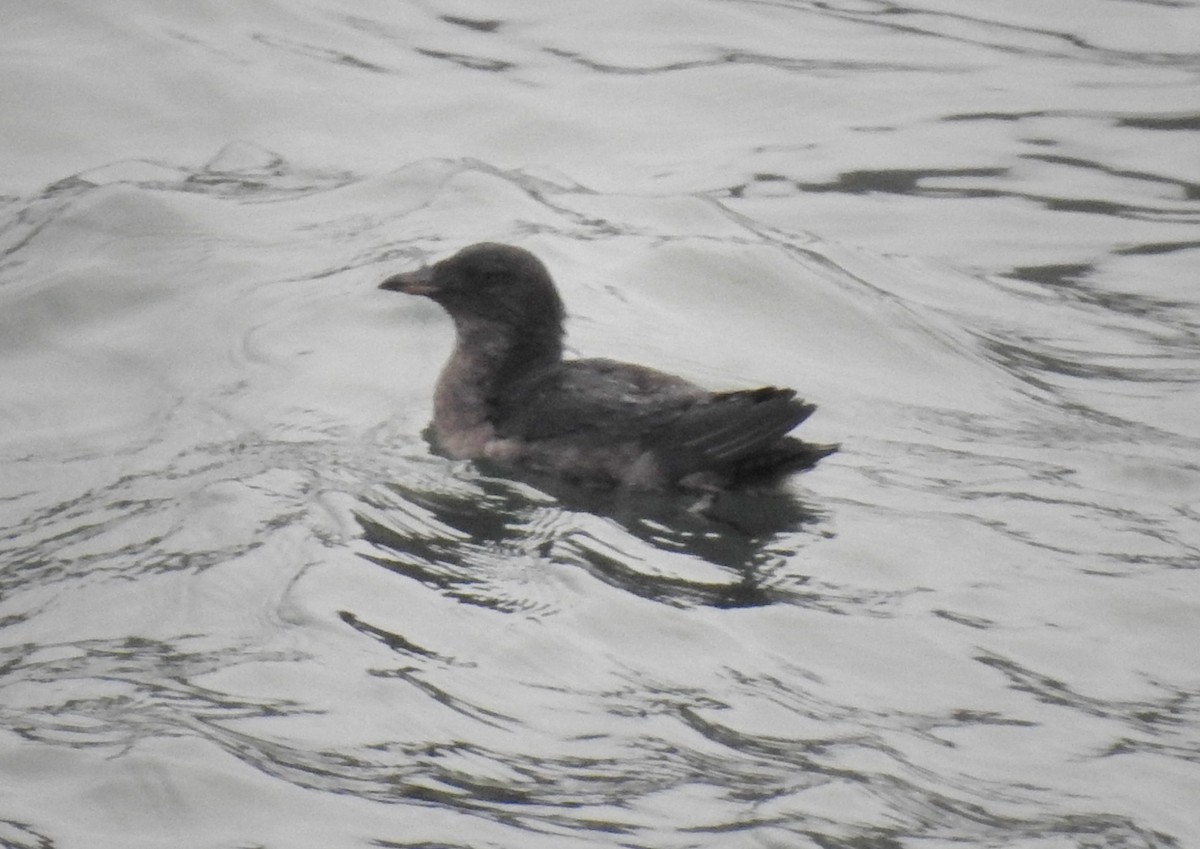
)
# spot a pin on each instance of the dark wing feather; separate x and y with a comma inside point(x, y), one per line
point(594, 399)
point(728, 430)
point(739, 434)
point(728, 425)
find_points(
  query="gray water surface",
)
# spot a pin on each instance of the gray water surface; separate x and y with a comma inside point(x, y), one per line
point(242, 603)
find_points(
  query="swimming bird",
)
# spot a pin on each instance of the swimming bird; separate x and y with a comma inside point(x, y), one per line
point(506, 393)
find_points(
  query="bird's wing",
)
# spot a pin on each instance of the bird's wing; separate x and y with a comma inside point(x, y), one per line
point(727, 427)
point(686, 427)
point(599, 399)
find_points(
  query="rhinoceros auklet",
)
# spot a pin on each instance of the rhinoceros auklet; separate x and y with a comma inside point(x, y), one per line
point(508, 395)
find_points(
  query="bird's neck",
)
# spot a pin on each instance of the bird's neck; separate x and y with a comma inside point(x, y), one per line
point(487, 358)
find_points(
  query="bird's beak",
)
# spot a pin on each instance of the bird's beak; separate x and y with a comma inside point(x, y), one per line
point(419, 282)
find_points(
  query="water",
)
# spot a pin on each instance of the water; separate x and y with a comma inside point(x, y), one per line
point(242, 604)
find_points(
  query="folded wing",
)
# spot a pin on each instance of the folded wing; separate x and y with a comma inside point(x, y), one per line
point(738, 434)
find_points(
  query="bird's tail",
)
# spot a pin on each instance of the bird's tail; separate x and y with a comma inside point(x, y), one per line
point(785, 457)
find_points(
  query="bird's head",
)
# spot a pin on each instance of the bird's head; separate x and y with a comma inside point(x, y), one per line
point(490, 281)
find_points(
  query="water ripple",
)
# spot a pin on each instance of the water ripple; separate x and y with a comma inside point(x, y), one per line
point(1154, 724)
point(990, 33)
point(136, 689)
point(257, 562)
point(484, 544)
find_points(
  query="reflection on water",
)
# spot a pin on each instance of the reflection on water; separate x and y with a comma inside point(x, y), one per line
point(241, 603)
point(648, 544)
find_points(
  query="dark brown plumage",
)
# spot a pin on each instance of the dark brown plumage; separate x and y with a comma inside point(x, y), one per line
point(506, 393)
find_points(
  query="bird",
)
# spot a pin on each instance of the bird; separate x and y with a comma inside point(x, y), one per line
point(508, 395)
